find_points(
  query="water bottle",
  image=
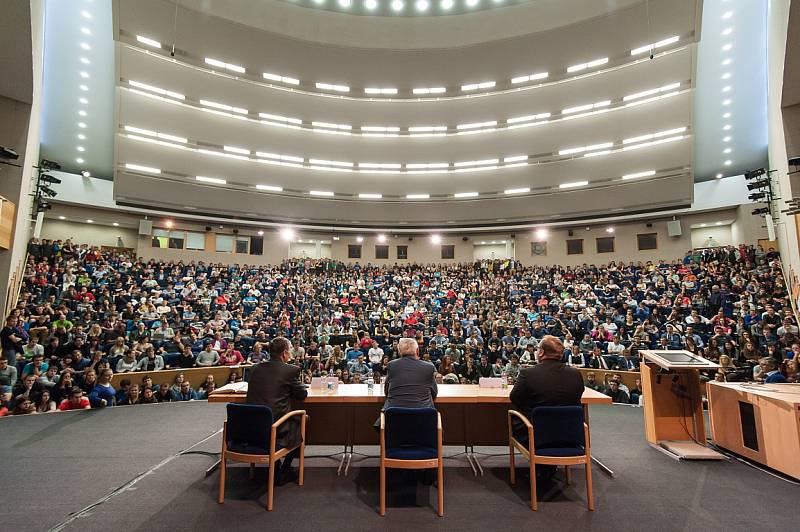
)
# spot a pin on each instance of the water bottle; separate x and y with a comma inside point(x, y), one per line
point(370, 384)
point(330, 380)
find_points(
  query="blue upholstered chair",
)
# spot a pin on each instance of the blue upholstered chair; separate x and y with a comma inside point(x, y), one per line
point(411, 438)
point(557, 435)
point(251, 436)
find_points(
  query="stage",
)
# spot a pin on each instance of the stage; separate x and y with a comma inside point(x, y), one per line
point(123, 469)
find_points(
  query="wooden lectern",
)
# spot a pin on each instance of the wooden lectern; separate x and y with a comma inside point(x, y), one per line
point(673, 405)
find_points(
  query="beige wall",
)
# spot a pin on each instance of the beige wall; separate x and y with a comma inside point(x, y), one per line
point(712, 236)
point(490, 251)
point(85, 233)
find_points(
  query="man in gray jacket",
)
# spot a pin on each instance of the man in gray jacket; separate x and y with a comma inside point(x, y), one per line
point(410, 381)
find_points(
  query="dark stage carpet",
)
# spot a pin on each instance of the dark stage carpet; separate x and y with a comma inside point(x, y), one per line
point(121, 469)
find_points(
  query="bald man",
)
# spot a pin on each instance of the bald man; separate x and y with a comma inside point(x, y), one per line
point(549, 383)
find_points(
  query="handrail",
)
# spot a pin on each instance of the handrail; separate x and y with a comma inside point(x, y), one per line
point(15, 286)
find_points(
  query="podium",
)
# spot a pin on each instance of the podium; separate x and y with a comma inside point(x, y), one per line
point(673, 404)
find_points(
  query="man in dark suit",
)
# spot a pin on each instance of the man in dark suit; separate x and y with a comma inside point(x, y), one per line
point(275, 383)
point(410, 381)
point(549, 383)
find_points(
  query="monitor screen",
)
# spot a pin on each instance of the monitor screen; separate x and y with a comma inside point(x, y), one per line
point(679, 357)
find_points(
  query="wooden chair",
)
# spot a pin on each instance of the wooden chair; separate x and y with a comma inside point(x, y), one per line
point(411, 438)
point(561, 437)
point(249, 435)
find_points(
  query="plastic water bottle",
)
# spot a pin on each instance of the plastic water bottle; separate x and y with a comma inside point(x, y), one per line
point(370, 384)
point(330, 380)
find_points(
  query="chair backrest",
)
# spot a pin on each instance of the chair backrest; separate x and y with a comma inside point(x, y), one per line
point(249, 425)
point(558, 427)
point(410, 427)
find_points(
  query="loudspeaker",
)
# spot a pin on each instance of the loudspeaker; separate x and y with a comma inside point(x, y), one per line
point(513, 235)
point(235, 231)
point(464, 238)
point(569, 232)
point(208, 228)
point(648, 224)
point(145, 227)
point(411, 239)
point(674, 228)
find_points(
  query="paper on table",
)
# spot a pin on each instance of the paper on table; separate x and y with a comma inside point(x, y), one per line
point(234, 387)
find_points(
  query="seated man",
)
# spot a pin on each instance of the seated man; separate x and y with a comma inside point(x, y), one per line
point(549, 383)
point(275, 383)
point(409, 381)
point(359, 367)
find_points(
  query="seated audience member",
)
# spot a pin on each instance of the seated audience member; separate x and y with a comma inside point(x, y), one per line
point(231, 357)
point(358, 367)
point(75, 401)
point(36, 367)
point(207, 357)
point(769, 371)
point(617, 394)
point(636, 392)
point(591, 382)
point(8, 373)
point(148, 396)
point(185, 393)
point(186, 360)
point(164, 393)
point(23, 405)
point(44, 403)
point(151, 361)
point(132, 397)
point(103, 394)
point(127, 363)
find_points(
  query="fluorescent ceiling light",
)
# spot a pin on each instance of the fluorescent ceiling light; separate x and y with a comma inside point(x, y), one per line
point(482, 162)
point(141, 168)
point(397, 5)
point(79, 160)
point(149, 42)
point(234, 149)
point(475, 86)
point(380, 90)
point(279, 157)
point(157, 90)
point(279, 118)
point(86, 14)
point(367, 195)
point(528, 118)
point(227, 66)
point(329, 125)
point(62, 217)
point(270, 188)
point(597, 153)
point(86, 31)
point(84, 87)
point(321, 193)
point(515, 159)
point(214, 180)
point(418, 196)
point(574, 184)
point(90, 221)
point(476, 125)
point(85, 60)
point(326, 162)
point(80, 148)
point(224, 107)
point(380, 129)
point(429, 90)
point(465, 195)
point(636, 175)
point(280, 78)
point(523, 190)
point(590, 64)
point(529, 77)
point(423, 129)
point(173, 138)
point(385, 166)
point(333, 87)
point(85, 46)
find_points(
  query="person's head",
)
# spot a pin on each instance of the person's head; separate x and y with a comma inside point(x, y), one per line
point(147, 381)
point(550, 348)
point(408, 347)
point(75, 396)
point(768, 364)
point(279, 349)
point(147, 393)
point(185, 385)
point(134, 391)
point(105, 376)
point(591, 377)
point(125, 384)
point(30, 380)
point(3, 362)
point(356, 378)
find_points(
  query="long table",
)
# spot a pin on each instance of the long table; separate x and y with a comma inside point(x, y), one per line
point(470, 416)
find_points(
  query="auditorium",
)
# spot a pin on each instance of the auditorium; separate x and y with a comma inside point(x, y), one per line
point(381, 264)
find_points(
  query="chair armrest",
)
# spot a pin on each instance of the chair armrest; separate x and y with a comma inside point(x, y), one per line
point(521, 417)
point(288, 415)
point(439, 422)
point(383, 421)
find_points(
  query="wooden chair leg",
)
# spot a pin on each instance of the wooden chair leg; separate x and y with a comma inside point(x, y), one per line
point(589, 488)
point(441, 488)
point(222, 479)
point(511, 463)
point(382, 508)
point(567, 475)
point(270, 483)
point(252, 470)
point(301, 475)
point(534, 505)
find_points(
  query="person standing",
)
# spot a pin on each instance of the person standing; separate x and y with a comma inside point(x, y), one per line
point(274, 384)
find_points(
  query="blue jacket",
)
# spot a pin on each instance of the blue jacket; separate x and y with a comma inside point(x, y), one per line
point(775, 377)
point(102, 392)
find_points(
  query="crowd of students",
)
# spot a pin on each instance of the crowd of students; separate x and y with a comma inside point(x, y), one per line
point(85, 314)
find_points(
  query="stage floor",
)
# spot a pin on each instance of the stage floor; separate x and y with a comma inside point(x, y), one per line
point(121, 469)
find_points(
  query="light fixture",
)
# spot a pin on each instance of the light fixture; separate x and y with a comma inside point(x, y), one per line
point(115, 224)
point(82, 113)
point(726, 139)
point(86, 173)
point(465, 195)
point(728, 162)
point(287, 233)
point(86, 31)
point(727, 61)
point(85, 46)
point(446, 4)
point(636, 175)
point(727, 15)
point(726, 88)
point(436, 239)
point(381, 238)
point(726, 101)
point(86, 14)
point(83, 87)
point(336, 238)
point(359, 239)
point(726, 127)
point(261, 233)
point(227, 66)
point(80, 148)
point(719, 176)
point(169, 223)
point(418, 196)
point(726, 115)
point(81, 136)
point(422, 5)
point(79, 160)
point(541, 234)
point(521, 190)
point(84, 74)
point(270, 188)
point(702, 225)
point(727, 31)
point(149, 42)
point(214, 180)
point(609, 229)
point(574, 184)
point(323, 193)
point(84, 101)
point(718, 223)
point(472, 3)
point(62, 217)
point(89, 221)
point(345, 3)
point(368, 195)
point(726, 75)
point(85, 60)
point(141, 168)
point(727, 150)
point(726, 47)
point(371, 4)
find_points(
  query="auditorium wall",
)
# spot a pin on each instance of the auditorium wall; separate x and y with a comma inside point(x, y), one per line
point(86, 233)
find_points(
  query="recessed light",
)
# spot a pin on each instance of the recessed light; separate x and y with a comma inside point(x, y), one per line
point(85, 46)
point(472, 3)
point(84, 74)
point(727, 15)
point(90, 221)
point(726, 150)
point(726, 47)
point(84, 87)
point(85, 60)
point(84, 101)
point(726, 127)
point(62, 217)
point(82, 112)
point(702, 225)
point(115, 224)
point(728, 162)
point(359, 239)
point(726, 139)
point(397, 5)
point(609, 229)
point(719, 176)
point(727, 31)
point(261, 233)
point(446, 4)
point(422, 5)
point(345, 3)
point(86, 31)
point(79, 160)
point(718, 223)
point(80, 148)
point(726, 88)
point(727, 101)
point(436, 239)
point(86, 14)
point(726, 115)
point(371, 4)
point(149, 42)
point(726, 75)
point(81, 136)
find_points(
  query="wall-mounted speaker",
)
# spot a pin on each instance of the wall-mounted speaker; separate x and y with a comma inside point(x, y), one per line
point(674, 228)
point(648, 224)
point(235, 231)
point(411, 239)
point(146, 227)
point(513, 235)
point(464, 238)
point(569, 232)
point(208, 228)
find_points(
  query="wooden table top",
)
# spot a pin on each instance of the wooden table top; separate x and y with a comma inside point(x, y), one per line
point(788, 393)
point(448, 393)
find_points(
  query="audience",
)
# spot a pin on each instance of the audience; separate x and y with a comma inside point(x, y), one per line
point(84, 312)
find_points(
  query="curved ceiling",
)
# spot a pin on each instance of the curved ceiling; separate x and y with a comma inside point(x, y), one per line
point(200, 127)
